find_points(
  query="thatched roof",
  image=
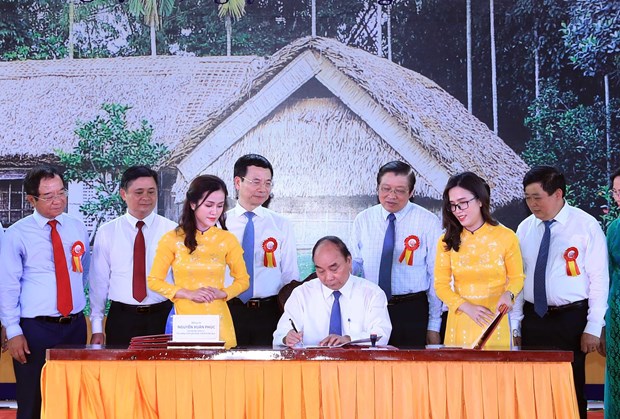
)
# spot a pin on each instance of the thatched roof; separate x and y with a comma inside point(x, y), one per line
point(421, 121)
point(40, 101)
point(208, 110)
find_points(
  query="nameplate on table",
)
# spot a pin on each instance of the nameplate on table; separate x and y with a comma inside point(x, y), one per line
point(195, 328)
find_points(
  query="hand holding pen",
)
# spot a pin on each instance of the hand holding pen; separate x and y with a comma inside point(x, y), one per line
point(293, 337)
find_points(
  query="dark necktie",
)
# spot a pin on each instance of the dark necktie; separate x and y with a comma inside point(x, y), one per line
point(64, 300)
point(248, 255)
point(335, 319)
point(540, 288)
point(387, 256)
point(139, 264)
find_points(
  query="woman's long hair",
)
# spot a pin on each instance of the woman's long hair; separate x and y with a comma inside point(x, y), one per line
point(201, 185)
point(477, 186)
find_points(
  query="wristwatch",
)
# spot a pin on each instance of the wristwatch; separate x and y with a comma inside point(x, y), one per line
point(512, 296)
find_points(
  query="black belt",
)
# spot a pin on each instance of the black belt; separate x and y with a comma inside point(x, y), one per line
point(60, 320)
point(396, 299)
point(253, 302)
point(565, 307)
point(153, 308)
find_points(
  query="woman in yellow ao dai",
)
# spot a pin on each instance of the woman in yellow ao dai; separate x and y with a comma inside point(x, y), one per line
point(198, 252)
point(478, 267)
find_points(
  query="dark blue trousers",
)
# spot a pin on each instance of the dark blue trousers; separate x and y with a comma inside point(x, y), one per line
point(40, 336)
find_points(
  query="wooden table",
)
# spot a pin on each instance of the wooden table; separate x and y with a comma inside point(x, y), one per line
point(328, 383)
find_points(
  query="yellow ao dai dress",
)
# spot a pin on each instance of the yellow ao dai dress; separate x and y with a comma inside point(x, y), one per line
point(487, 264)
point(205, 267)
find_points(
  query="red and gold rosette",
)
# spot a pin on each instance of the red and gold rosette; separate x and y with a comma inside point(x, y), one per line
point(570, 255)
point(77, 250)
point(269, 246)
point(411, 245)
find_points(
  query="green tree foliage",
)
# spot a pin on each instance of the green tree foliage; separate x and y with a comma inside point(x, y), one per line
point(592, 36)
point(571, 136)
point(107, 147)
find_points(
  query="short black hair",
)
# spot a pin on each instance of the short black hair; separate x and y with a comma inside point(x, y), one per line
point(243, 162)
point(335, 240)
point(34, 176)
point(135, 172)
point(549, 177)
point(614, 175)
point(398, 168)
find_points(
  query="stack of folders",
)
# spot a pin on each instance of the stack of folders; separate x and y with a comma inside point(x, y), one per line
point(150, 342)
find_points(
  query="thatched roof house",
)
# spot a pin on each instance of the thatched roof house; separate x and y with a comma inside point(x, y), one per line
point(326, 115)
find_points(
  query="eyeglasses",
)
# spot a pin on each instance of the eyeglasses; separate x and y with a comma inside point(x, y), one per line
point(48, 197)
point(257, 182)
point(461, 205)
point(386, 190)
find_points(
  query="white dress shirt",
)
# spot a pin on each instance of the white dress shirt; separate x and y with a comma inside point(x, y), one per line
point(28, 273)
point(363, 308)
point(267, 223)
point(572, 228)
point(111, 269)
point(367, 244)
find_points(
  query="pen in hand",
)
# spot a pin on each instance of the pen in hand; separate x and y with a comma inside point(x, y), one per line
point(296, 331)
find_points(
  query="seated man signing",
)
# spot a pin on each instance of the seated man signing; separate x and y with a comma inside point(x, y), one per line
point(335, 308)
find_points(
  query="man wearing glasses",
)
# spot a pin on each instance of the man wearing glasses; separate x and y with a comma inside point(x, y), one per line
point(394, 245)
point(270, 252)
point(44, 264)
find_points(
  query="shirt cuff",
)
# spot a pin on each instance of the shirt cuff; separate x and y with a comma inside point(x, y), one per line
point(14, 330)
point(594, 329)
point(434, 325)
point(96, 324)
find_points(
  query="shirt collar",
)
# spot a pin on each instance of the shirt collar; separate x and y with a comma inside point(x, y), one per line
point(561, 217)
point(238, 210)
point(345, 290)
point(399, 214)
point(148, 220)
point(42, 221)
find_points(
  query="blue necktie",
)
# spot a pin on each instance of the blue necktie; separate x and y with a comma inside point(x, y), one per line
point(335, 319)
point(387, 256)
point(248, 256)
point(540, 289)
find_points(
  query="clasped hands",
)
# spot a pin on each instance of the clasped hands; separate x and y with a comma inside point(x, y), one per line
point(292, 338)
point(202, 295)
point(481, 315)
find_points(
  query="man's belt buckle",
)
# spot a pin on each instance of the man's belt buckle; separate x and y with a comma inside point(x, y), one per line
point(253, 303)
point(143, 309)
point(65, 319)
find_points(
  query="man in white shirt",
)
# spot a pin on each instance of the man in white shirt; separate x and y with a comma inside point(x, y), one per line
point(401, 262)
point(135, 310)
point(270, 252)
point(335, 308)
point(564, 298)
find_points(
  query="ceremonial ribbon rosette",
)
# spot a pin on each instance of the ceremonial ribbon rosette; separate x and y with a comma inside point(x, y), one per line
point(570, 255)
point(77, 250)
point(411, 245)
point(269, 246)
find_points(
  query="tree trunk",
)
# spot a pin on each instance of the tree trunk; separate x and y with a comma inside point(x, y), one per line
point(607, 125)
point(389, 31)
point(379, 38)
point(153, 40)
point(228, 24)
point(71, 37)
point(469, 72)
point(314, 18)
point(493, 67)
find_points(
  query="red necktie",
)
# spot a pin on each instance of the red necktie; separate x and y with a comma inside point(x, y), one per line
point(139, 264)
point(63, 284)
